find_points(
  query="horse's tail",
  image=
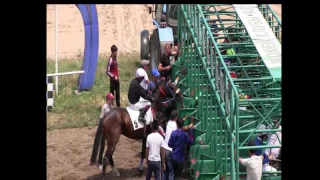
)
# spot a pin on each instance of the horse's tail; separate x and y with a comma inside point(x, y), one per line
point(96, 144)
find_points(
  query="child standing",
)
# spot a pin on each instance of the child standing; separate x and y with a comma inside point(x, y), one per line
point(105, 108)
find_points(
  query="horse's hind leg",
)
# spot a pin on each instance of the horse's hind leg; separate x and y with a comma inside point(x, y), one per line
point(114, 169)
point(112, 140)
point(102, 145)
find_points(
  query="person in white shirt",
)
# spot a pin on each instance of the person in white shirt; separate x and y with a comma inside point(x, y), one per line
point(253, 163)
point(171, 126)
point(275, 139)
point(154, 146)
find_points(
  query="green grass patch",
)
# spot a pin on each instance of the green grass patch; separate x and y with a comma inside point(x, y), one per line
point(73, 111)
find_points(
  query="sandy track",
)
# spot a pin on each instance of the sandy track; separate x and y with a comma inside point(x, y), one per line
point(118, 24)
point(69, 152)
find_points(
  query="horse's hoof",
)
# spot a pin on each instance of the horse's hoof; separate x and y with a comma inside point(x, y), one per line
point(116, 173)
point(140, 172)
point(100, 167)
point(91, 163)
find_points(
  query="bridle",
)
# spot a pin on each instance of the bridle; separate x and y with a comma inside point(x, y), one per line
point(165, 94)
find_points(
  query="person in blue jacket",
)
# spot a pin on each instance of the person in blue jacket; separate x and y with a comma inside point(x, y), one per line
point(178, 139)
point(153, 84)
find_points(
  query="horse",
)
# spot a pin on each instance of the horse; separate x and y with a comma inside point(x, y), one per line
point(166, 103)
point(118, 121)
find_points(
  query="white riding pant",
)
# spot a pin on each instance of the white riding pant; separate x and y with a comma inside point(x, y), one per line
point(268, 168)
point(140, 104)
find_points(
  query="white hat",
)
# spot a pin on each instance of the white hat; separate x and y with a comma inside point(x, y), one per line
point(262, 127)
point(140, 72)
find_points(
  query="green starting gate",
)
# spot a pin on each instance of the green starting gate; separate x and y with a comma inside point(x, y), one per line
point(230, 75)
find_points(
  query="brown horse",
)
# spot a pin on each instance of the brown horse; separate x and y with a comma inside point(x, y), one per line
point(118, 121)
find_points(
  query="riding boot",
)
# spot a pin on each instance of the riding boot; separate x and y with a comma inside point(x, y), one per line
point(143, 114)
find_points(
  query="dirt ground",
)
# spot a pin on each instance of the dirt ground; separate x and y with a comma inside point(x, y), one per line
point(118, 24)
point(69, 153)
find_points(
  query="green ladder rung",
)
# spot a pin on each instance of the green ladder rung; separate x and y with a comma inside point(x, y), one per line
point(203, 166)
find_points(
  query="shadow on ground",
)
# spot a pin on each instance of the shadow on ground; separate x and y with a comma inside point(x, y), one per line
point(125, 174)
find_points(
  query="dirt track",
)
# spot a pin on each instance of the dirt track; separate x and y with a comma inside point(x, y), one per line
point(69, 152)
point(118, 24)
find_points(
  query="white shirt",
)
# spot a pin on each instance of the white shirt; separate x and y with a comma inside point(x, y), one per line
point(143, 83)
point(274, 140)
point(105, 108)
point(154, 143)
point(171, 126)
point(253, 166)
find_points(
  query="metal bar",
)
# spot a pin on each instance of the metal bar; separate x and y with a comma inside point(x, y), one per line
point(56, 46)
point(259, 147)
point(65, 73)
point(260, 100)
point(258, 131)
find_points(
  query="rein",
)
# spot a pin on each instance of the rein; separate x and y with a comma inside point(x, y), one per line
point(165, 94)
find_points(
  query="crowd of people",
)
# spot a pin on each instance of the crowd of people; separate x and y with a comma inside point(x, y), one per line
point(168, 165)
point(268, 160)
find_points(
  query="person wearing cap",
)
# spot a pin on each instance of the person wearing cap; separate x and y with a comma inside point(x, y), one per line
point(144, 64)
point(253, 163)
point(104, 110)
point(108, 105)
point(153, 84)
point(136, 91)
point(259, 142)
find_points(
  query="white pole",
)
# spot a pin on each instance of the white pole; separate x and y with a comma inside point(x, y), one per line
point(66, 73)
point(56, 53)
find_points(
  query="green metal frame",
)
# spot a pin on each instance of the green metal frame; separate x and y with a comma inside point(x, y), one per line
point(213, 96)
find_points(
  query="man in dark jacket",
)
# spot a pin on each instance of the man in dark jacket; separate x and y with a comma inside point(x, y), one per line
point(135, 92)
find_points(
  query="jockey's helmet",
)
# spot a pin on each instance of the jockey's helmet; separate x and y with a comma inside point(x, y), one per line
point(110, 96)
point(140, 73)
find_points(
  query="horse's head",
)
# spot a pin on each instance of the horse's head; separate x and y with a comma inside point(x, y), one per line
point(168, 90)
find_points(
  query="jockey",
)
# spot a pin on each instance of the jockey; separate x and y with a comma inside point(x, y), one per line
point(153, 84)
point(136, 91)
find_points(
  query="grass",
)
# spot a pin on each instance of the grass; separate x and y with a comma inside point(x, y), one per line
point(74, 111)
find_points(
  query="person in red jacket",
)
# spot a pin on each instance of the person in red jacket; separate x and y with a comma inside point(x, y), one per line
point(113, 73)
